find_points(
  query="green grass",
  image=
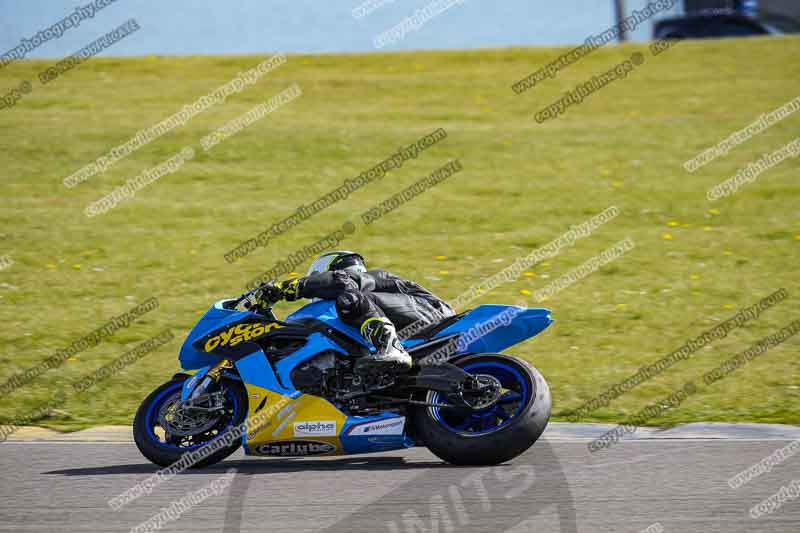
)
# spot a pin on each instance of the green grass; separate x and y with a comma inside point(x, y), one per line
point(522, 185)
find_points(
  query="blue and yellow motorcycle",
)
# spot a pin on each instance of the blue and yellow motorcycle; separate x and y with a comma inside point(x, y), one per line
point(289, 388)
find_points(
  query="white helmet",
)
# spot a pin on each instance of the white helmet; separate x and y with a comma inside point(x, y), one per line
point(338, 260)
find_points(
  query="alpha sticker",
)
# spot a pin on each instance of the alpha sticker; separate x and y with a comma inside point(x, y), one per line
point(239, 333)
point(325, 428)
point(390, 426)
point(296, 448)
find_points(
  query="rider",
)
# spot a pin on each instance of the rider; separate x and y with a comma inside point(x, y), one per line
point(373, 301)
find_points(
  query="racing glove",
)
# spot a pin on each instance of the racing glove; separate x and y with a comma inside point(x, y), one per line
point(271, 293)
point(290, 289)
point(268, 294)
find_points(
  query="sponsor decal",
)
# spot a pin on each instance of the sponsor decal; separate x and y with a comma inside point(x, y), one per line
point(390, 426)
point(387, 441)
point(295, 448)
point(239, 333)
point(325, 428)
point(192, 382)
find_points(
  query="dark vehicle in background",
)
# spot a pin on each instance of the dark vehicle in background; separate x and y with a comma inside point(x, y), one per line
point(710, 25)
point(704, 19)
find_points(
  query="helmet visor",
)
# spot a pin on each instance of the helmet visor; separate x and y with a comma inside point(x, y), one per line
point(321, 264)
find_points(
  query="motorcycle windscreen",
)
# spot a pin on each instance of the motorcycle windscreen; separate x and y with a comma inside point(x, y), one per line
point(493, 328)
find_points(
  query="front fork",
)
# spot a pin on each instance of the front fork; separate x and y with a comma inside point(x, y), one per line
point(195, 390)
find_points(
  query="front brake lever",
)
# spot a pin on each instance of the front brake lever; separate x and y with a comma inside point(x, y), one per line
point(247, 303)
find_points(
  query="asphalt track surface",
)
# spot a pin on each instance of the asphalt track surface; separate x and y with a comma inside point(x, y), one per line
point(557, 485)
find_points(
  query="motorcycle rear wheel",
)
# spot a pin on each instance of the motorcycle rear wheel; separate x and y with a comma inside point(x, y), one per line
point(498, 433)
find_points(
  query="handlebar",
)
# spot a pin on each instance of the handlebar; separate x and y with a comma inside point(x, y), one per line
point(247, 301)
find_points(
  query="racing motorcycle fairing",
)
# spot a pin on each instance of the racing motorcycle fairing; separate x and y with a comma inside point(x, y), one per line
point(306, 425)
point(216, 318)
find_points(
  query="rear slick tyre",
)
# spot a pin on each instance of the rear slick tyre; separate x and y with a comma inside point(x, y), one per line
point(494, 435)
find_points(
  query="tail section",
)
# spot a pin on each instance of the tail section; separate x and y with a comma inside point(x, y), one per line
point(488, 329)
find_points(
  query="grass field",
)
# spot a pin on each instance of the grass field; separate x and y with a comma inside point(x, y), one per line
point(522, 184)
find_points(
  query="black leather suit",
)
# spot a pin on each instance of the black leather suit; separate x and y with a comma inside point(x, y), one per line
point(374, 294)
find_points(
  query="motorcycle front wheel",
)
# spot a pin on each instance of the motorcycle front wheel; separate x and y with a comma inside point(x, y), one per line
point(164, 434)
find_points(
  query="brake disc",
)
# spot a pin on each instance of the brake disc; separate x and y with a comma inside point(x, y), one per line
point(487, 391)
point(179, 422)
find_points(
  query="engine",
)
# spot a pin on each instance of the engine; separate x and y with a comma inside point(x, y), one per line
point(314, 376)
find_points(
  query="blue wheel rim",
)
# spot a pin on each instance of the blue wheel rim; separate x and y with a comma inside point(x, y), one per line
point(151, 418)
point(517, 395)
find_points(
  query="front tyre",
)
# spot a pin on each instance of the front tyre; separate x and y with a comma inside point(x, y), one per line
point(163, 435)
point(497, 433)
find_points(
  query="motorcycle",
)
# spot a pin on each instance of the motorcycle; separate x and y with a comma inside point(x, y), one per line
point(289, 388)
